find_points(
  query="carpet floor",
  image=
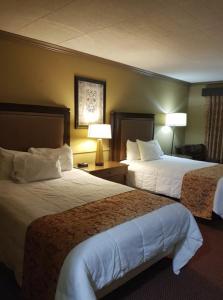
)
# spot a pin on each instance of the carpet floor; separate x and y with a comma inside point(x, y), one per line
point(201, 279)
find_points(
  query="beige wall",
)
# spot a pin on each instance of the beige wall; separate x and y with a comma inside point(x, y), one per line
point(35, 75)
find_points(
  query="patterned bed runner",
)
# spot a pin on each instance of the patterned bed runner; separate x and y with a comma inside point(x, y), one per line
point(50, 238)
point(198, 190)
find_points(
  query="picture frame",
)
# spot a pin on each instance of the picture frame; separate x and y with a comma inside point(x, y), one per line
point(90, 101)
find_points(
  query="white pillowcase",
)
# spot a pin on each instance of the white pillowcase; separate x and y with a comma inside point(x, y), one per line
point(148, 150)
point(34, 167)
point(158, 146)
point(65, 153)
point(132, 151)
point(6, 162)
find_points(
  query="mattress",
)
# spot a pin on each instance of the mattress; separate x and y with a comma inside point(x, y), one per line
point(106, 257)
point(165, 175)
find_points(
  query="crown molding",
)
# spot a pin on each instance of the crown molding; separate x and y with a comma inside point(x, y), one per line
point(64, 50)
point(207, 82)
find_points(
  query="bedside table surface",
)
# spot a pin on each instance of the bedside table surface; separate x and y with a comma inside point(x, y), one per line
point(112, 171)
point(107, 165)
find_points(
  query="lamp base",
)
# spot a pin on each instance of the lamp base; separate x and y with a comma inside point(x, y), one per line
point(99, 160)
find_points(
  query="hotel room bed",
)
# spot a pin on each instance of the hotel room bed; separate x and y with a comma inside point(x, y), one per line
point(198, 185)
point(165, 176)
point(79, 222)
point(102, 258)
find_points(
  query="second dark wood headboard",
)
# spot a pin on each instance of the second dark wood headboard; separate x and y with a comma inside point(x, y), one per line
point(130, 126)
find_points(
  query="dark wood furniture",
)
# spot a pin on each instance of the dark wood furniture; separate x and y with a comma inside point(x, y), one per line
point(23, 126)
point(112, 171)
point(195, 151)
point(130, 126)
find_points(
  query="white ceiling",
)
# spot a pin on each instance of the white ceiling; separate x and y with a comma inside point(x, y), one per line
point(182, 39)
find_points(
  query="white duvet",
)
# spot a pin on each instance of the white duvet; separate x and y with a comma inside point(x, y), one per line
point(105, 257)
point(109, 255)
point(164, 176)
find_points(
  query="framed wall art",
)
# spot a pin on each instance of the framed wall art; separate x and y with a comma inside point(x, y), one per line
point(90, 97)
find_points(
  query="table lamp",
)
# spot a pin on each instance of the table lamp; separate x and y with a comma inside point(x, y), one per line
point(175, 120)
point(99, 131)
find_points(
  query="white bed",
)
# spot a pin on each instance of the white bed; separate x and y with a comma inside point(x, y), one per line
point(174, 231)
point(168, 230)
point(165, 175)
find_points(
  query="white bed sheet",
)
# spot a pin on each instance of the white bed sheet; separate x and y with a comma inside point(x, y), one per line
point(99, 260)
point(165, 175)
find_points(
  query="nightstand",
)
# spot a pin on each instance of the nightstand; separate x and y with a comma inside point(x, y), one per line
point(112, 170)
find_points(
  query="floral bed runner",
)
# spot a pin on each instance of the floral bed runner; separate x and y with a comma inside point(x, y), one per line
point(198, 190)
point(49, 239)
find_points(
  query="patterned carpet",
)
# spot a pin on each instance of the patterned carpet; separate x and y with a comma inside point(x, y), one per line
point(201, 279)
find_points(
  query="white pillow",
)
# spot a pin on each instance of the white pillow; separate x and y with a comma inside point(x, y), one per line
point(6, 162)
point(158, 146)
point(132, 151)
point(65, 153)
point(34, 167)
point(148, 150)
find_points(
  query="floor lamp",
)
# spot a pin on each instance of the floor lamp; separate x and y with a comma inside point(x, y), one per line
point(175, 120)
point(99, 131)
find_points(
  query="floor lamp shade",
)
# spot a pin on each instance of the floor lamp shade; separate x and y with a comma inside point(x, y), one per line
point(99, 131)
point(175, 120)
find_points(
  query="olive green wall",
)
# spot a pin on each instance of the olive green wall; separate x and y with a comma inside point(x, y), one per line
point(197, 113)
point(197, 110)
point(33, 74)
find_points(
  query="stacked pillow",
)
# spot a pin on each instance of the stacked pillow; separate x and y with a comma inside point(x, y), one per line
point(65, 155)
point(149, 150)
point(37, 164)
point(33, 167)
point(6, 162)
point(132, 150)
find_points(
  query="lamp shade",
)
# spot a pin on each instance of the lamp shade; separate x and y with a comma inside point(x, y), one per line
point(176, 119)
point(99, 131)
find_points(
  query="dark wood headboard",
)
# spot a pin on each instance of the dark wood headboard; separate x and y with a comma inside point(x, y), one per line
point(23, 126)
point(129, 126)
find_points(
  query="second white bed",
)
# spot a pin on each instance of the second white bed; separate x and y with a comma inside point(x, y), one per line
point(165, 175)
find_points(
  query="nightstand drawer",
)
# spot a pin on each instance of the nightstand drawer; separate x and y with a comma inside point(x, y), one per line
point(107, 173)
point(118, 178)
